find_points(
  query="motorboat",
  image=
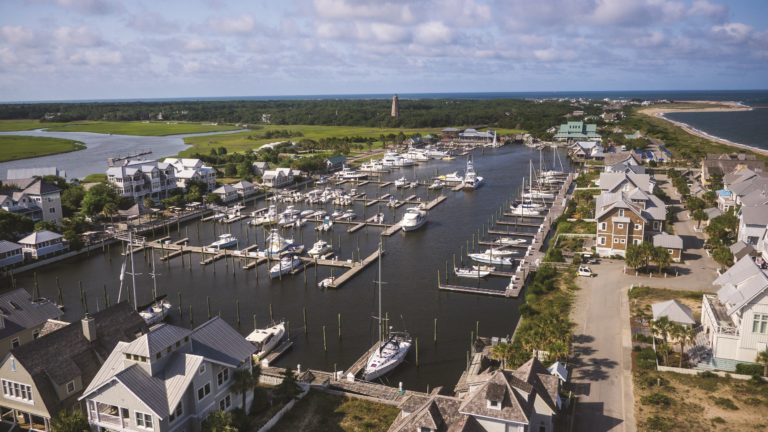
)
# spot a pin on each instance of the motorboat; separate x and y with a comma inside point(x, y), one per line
point(377, 218)
point(284, 266)
point(347, 215)
point(433, 153)
point(388, 356)
point(321, 247)
point(392, 159)
point(470, 273)
point(490, 259)
point(500, 252)
point(373, 166)
point(453, 177)
point(306, 213)
point(436, 185)
point(225, 241)
point(327, 282)
point(401, 182)
point(524, 211)
point(277, 244)
point(327, 225)
point(266, 339)
point(471, 179)
point(538, 194)
point(413, 219)
point(413, 185)
point(350, 174)
point(392, 202)
point(506, 241)
point(416, 155)
point(156, 311)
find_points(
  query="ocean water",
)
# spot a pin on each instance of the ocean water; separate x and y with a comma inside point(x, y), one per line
point(743, 127)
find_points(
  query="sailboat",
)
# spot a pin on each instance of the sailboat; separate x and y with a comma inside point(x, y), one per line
point(392, 349)
point(155, 311)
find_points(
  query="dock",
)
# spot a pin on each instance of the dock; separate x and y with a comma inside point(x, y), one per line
point(391, 230)
point(516, 223)
point(276, 353)
point(356, 267)
point(471, 290)
point(356, 227)
point(359, 365)
point(511, 234)
point(435, 202)
point(458, 187)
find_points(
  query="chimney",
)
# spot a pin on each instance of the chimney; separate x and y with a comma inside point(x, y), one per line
point(89, 328)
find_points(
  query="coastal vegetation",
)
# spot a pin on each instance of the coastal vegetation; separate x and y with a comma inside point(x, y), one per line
point(15, 147)
point(24, 124)
point(140, 128)
point(321, 412)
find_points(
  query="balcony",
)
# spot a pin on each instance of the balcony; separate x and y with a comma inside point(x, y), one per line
point(722, 322)
point(108, 415)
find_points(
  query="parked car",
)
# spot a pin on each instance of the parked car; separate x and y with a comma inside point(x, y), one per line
point(585, 271)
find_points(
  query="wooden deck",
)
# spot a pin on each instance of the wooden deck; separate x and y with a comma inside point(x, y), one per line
point(356, 268)
point(391, 230)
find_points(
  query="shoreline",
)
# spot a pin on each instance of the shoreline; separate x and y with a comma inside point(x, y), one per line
point(731, 106)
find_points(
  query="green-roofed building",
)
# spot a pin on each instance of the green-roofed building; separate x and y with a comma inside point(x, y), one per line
point(577, 131)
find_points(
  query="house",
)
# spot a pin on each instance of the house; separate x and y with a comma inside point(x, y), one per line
point(525, 399)
point(752, 225)
point(189, 170)
point(169, 379)
point(449, 134)
point(335, 163)
point(626, 217)
point(227, 193)
point(735, 320)
point(587, 150)
point(139, 179)
point(28, 173)
point(625, 181)
point(471, 135)
point(576, 131)
point(10, 253)
point(741, 249)
point(712, 212)
point(46, 375)
point(672, 243)
point(259, 168)
point(244, 188)
point(277, 178)
point(674, 311)
point(622, 160)
point(22, 318)
point(43, 243)
point(720, 164)
point(36, 199)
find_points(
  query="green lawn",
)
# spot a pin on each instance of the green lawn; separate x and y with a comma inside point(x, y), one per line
point(322, 412)
point(140, 128)
point(14, 147)
point(20, 125)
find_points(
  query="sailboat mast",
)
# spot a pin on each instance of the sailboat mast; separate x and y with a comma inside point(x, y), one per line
point(133, 272)
point(380, 322)
point(154, 276)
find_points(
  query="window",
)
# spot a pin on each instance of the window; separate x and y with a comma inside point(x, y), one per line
point(71, 387)
point(13, 364)
point(638, 227)
point(636, 241)
point(621, 212)
point(35, 334)
point(52, 210)
point(158, 355)
point(656, 225)
point(620, 226)
point(225, 403)
point(15, 342)
point(17, 391)
point(143, 420)
point(623, 241)
point(616, 240)
point(601, 240)
point(176, 413)
point(203, 391)
point(760, 323)
point(223, 376)
point(202, 369)
point(603, 226)
point(168, 350)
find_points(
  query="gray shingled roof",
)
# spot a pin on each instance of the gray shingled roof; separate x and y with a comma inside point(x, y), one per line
point(674, 310)
point(668, 241)
point(39, 237)
point(740, 284)
point(20, 312)
point(755, 215)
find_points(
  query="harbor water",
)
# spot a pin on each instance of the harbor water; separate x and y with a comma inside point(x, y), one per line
point(411, 299)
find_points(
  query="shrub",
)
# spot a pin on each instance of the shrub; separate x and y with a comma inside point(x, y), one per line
point(658, 424)
point(707, 374)
point(749, 369)
point(657, 399)
point(719, 420)
point(725, 403)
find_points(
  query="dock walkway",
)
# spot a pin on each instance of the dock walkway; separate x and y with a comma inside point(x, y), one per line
point(356, 267)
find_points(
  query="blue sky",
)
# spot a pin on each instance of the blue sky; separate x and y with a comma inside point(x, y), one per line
point(95, 49)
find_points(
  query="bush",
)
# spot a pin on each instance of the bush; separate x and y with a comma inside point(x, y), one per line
point(657, 399)
point(749, 369)
point(707, 374)
point(658, 424)
point(719, 420)
point(725, 403)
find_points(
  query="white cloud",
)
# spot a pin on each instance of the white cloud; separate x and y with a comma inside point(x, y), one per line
point(97, 7)
point(18, 35)
point(389, 11)
point(433, 33)
point(96, 57)
point(708, 9)
point(733, 32)
point(234, 25)
point(198, 45)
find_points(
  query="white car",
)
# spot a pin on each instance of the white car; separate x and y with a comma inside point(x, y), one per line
point(585, 271)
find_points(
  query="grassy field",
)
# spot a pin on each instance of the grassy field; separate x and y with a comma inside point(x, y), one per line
point(140, 128)
point(20, 125)
point(322, 412)
point(14, 147)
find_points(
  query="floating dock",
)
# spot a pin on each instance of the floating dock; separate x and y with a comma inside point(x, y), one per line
point(356, 267)
point(471, 290)
point(276, 353)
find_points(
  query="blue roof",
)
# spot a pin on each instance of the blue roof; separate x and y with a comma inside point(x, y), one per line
point(724, 193)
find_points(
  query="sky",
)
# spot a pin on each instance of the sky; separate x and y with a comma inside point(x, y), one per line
point(108, 49)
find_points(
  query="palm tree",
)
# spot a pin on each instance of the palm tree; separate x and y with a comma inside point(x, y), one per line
point(662, 327)
point(243, 381)
point(762, 358)
point(679, 332)
point(662, 258)
point(699, 215)
point(501, 352)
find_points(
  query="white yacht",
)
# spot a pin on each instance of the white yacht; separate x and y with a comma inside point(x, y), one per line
point(401, 182)
point(321, 247)
point(327, 225)
point(471, 179)
point(156, 311)
point(413, 219)
point(490, 259)
point(306, 213)
point(453, 177)
point(500, 252)
point(524, 211)
point(265, 218)
point(392, 159)
point(531, 205)
point(373, 166)
point(436, 185)
point(284, 266)
point(471, 272)
point(277, 244)
point(506, 241)
point(266, 339)
point(225, 241)
point(417, 155)
point(347, 216)
point(350, 174)
point(327, 282)
point(435, 153)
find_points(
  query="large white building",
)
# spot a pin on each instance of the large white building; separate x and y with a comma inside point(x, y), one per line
point(142, 178)
point(192, 170)
point(36, 199)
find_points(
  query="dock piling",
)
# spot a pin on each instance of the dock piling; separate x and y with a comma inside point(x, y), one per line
point(208, 302)
point(304, 313)
point(325, 345)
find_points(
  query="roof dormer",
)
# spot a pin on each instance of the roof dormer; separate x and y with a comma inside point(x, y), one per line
point(494, 395)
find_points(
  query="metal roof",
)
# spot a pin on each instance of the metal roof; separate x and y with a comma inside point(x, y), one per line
point(158, 339)
point(674, 310)
point(6, 246)
point(38, 237)
point(668, 241)
point(20, 312)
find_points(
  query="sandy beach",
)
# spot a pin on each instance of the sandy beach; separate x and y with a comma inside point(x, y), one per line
point(717, 106)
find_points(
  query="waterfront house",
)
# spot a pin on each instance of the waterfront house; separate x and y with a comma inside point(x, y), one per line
point(752, 225)
point(719, 165)
point(735, 320)
point(244, 188)
point(259, 168)
point(169, 379)
point(139, 179)
point(672, 243)
point(449, 134)
point(188, 170)
point(277, 178)
point(626, 217)
point(520, 400)
point(41, 244)
point(591, 150)
point(33, 198)
point(674, 311)
point(335, 163)
point(10, 253)
point(22, 318)
point(46, 375)
point(28, 173)
point(577, 131)
point(227, 193)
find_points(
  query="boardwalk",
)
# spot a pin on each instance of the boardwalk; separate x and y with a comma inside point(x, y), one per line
point(356, 268)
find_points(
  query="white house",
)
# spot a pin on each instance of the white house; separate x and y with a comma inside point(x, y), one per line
point(36, 199)
point(735, 320)
point(752, 223)
point(169, 379)
point(139, 179)
point(227, 193)
point(244, 188)
point(40, 244)
point(277, 178)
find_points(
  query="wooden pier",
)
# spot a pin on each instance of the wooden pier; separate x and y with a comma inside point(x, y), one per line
point(354, 269)
point(276, 353)
point(435, 202)
point(471, 290)
point(356, 227)
point(516, 223)
point(359, 365)
point(511, 234)
point(392, 229)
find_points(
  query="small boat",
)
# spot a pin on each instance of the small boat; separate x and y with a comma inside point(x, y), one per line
point(322, 180)
point(347, 215)
point(483, 268)
point(266, 339)
point(436, 185)
point(378, 218)
point(524, 211)
point(321, 247)
point(435, 153)
point(453, 177)
point(392, 202)
point(350, 174)
point(284, 266)
point(269, 218)
point(401, 182)
point(471, 273)
point(327, 282)
point(490, 259)
point(471, 179)
point(537, 194)
point(156, 311)
point(225, 241)
point(277, 244)
point(388, 356)
point(327, 225)
point(500, 252)
point(413, 185)
point(306, 213)
point(413, 219)
point(416, 155)
point(506, 241)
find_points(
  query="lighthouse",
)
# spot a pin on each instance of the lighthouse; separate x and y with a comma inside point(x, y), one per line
point(395, 107)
